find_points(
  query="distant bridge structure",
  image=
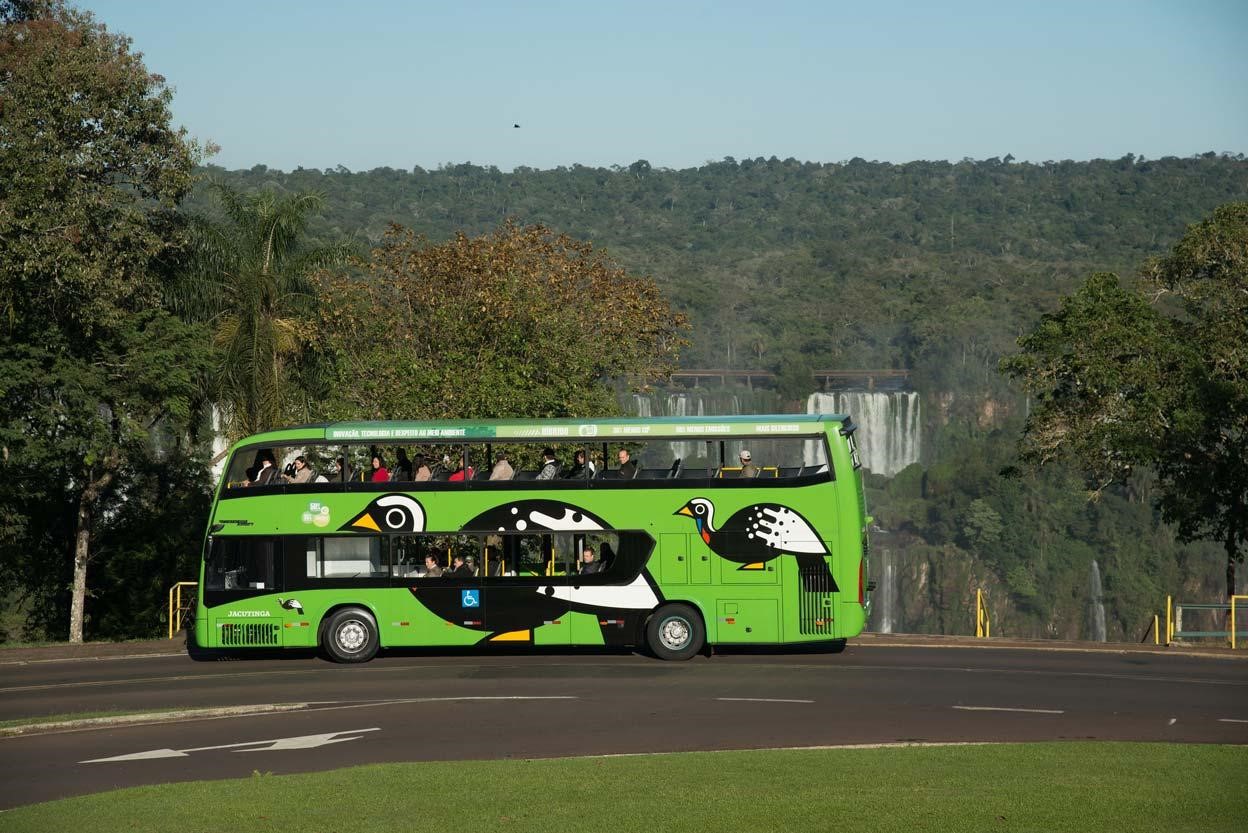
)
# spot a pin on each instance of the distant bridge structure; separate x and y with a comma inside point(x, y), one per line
point(827, 379)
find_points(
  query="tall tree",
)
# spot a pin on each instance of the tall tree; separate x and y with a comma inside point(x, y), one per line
point(520, 322)
point(247, 278)
point(1124, 378)
point(90, 173)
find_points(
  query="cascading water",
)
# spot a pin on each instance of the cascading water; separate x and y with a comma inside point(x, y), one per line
point(884, 599)
point(888, 425)
point(1097, 604)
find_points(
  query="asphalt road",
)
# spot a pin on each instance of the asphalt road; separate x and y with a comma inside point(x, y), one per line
point(413, 707)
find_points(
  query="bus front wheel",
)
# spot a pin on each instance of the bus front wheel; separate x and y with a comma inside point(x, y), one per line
point(350, 636)
point(675, 632)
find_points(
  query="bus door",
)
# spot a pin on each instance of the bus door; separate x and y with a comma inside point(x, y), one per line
point(525, 595)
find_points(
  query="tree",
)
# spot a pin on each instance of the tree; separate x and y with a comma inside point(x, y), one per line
point(520, 322)
point(248, 279)
point(90, 368)
point(1124, 379)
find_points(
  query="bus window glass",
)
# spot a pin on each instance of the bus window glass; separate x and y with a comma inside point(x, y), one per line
point(243, 563)
point(354, 557)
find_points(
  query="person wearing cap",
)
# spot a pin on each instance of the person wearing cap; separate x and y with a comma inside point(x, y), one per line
point(748, 468)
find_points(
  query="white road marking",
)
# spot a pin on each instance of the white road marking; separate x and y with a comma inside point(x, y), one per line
point(1230, 720)
point(274, 745)
point(759, 700)
point(1003, 709)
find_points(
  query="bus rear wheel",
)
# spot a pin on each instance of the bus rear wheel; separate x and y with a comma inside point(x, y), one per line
point(675, 632)
point(350, 635)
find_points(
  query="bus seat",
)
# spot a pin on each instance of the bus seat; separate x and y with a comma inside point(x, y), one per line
point(789, 471)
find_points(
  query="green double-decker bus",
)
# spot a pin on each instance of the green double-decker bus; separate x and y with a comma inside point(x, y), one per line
point(672, 534)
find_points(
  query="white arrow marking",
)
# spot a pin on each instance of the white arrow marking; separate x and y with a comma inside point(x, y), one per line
point(301, 742)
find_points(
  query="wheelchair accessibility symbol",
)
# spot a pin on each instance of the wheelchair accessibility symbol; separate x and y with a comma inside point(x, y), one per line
point(470, 598)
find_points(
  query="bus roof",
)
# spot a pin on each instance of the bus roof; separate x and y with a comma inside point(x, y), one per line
point(589, 430)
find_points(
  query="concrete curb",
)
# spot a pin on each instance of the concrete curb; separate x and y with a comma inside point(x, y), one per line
point(145, 718)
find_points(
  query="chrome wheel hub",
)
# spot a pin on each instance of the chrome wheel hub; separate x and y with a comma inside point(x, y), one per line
point(352, 635)
point(674, 633)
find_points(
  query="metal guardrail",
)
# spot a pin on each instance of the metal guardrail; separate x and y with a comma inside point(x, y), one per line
point(1174, 620)
point(179, 608)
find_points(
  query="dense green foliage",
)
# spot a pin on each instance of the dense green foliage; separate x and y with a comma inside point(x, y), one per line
point(520, 322)
point(1120, 383)
point(247, 275)
point(933, 266)
point(97, 384)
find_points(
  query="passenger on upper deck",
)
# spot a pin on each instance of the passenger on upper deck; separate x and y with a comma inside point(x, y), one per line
point(748, 469)
point(550, 466)
point(402, 471)
point(420, 471)
point(266, 469)
point(302, 473)
point(628, 469)
point(581, 467)
point(380, 473)
point(459, 475)
point(502, 469)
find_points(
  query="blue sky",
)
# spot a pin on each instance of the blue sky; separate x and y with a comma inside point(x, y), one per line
point(398, 84)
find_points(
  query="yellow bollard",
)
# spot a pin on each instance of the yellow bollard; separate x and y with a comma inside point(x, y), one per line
point(1156, 634)
point(1169, 619)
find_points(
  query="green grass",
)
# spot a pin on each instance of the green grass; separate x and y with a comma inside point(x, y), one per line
point(1078, 787)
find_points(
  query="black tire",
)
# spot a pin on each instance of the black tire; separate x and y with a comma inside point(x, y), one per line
point(350, 635)
point(675, 632)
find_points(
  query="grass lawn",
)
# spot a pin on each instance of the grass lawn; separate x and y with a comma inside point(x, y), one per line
point(1078, 787)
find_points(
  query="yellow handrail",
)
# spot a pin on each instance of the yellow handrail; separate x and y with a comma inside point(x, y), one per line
point(983, 622)
point(176, 608)
point(1231, 624)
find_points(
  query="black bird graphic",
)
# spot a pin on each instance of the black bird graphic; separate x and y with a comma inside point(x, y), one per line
point(756, 534)
point(388, 513)
point(516, 606)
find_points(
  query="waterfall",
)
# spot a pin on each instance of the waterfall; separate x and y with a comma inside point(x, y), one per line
point(884, 599)
point(888, 425)
point(1097, 604)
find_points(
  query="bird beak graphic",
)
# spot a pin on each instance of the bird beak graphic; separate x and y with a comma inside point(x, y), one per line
point(367, 522)
point(684, 510)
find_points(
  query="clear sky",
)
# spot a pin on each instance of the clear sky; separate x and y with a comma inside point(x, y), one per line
point(391, 83)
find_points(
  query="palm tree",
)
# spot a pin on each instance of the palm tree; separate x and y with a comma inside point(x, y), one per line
point(248, 277)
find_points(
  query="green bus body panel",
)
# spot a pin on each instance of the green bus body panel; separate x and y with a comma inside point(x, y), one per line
point(739, 603)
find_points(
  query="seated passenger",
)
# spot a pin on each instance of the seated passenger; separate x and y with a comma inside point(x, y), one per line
point(266, 474)
point(582, 469)
point(748, 469)
point(380, 473)
point(459, 568)
point(402, 471)
point(589, 564)
point(432, 567)
point(471, 563)
point(628, 469)
point(460, 475)
point(502, 469)
point(420, 471)
point(302, 473)
point(550, 467)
